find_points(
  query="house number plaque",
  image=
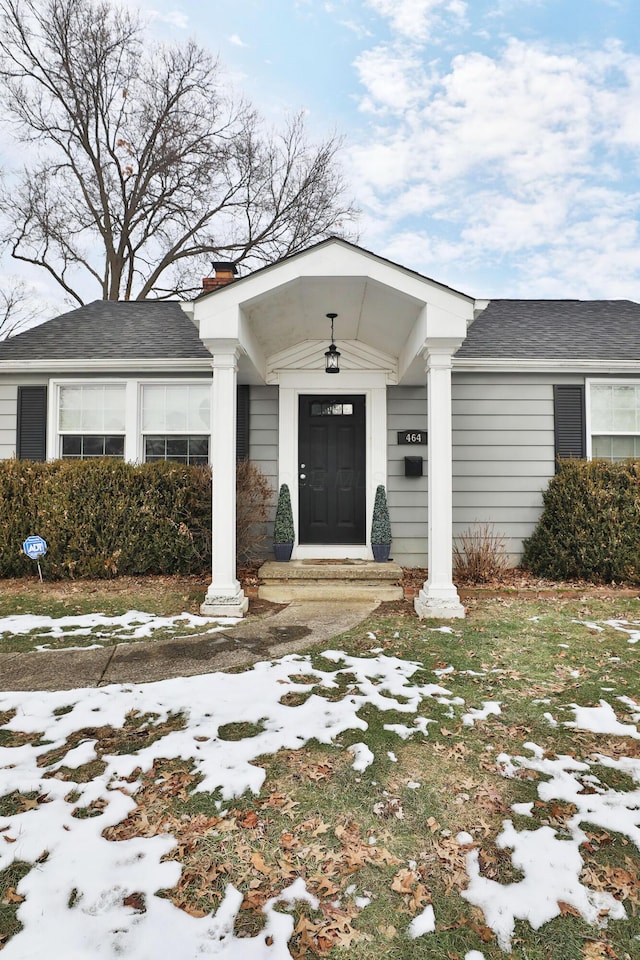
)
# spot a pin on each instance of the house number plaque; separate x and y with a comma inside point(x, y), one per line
point(412, 436)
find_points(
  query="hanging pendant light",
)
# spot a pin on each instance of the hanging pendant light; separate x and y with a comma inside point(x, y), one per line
point(332, 355)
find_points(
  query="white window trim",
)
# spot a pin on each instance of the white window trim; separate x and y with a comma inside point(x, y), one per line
point(623, 381)
point(133, 436)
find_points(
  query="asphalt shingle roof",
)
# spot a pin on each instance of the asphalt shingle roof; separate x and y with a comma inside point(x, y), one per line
point(555, 329)
point(111, 330)
point(507, 329)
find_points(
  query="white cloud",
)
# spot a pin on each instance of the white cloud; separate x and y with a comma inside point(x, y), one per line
point(417, 19)
point(353, 26)
point(394, 79)
point(530, 112)
point(172, 18)
point(519, 157)
point(237, 41)
point(504, 8)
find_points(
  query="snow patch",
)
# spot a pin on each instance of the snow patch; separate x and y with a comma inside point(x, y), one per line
point(551, 869)
point(363, 756)
point(601, 719)
point(425, 922)
point(489, 708)
point(401, 730)
point(523, 809)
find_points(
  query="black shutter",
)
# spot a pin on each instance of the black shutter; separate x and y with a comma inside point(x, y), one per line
point(568, 412)
point(242, 423)
point(32, 423)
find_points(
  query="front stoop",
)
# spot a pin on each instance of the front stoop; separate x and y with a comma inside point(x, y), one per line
point(330, 580)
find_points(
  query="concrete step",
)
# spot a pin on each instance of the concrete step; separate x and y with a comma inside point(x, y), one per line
point(339, 580)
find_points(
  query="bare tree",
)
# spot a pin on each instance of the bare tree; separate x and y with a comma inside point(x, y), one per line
point(17, 307)
point(144, 165)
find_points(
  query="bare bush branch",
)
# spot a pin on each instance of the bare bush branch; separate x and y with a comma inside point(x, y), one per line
point(254, 499)
point(479, 555)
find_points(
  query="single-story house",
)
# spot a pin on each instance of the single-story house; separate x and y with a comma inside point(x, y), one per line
point(458, 406)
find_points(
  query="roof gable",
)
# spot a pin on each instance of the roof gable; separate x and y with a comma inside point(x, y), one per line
point(325, 245)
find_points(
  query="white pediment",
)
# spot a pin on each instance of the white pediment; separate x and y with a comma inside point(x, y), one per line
point(354, 356)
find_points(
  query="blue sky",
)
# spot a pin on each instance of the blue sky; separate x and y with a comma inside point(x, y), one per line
point(493, 145)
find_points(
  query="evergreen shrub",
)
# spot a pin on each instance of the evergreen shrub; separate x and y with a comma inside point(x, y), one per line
point(283, 529)
point(102, 517)
point(380, 523)
point(590, 526)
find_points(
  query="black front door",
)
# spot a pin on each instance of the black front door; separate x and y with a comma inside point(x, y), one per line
point(331, 461)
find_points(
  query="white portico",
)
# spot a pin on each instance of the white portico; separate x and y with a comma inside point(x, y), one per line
point(393, 327)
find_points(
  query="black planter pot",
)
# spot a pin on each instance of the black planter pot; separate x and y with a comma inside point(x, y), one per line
point(283, 552)
point(381, 552)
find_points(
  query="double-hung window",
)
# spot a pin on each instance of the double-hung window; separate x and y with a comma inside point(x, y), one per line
point(176, 422)
point(614, 419)
point(91, 420)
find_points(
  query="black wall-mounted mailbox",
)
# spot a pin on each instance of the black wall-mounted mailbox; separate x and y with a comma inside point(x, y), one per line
point(413, 466)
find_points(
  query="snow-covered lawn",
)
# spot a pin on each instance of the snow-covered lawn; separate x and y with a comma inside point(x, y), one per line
point(88, 896)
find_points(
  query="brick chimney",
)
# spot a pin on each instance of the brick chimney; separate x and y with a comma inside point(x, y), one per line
point(224, 273)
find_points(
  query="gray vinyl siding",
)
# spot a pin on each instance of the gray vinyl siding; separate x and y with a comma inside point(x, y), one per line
point(503, 452)
point(407, 496)
point(263, 430)
point(8, 414)
point(263, 436)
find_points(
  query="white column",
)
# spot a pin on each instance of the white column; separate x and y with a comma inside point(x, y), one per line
point(225, 596)
point(439, 597)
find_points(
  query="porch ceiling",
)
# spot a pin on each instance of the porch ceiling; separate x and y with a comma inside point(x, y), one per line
point(367, 310)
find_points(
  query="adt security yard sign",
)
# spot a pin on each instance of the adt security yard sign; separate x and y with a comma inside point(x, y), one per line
point(35, 547)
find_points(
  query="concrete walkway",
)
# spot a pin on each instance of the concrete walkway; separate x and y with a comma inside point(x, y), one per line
point(298, 625)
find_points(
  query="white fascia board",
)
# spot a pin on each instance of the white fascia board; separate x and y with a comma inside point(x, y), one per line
point(434, 324)
point(80, 367)
point(218, 320)
point(414, 344)
point(552, 365)
point(251, 347)
point(447, 323)
point(223, 323)
point(479, 307)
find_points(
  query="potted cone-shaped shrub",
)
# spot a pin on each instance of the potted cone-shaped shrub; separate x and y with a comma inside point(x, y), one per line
point(380, 527)
point(283, 531)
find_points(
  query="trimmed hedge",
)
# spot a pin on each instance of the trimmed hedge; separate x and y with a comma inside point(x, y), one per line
point(104, 518)
point(590, 527)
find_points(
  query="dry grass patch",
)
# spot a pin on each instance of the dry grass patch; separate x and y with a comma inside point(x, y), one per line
point(261, 845)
